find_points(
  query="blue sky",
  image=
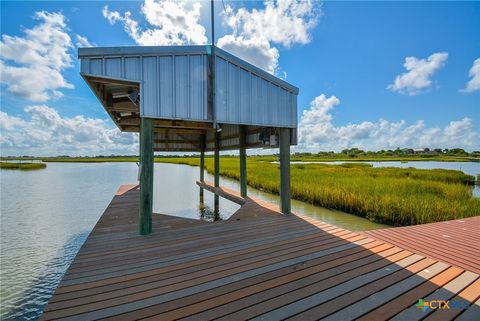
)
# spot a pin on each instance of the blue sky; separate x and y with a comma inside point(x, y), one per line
point(344, 56)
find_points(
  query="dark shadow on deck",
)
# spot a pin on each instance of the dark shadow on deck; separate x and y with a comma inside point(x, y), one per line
point(258, 264)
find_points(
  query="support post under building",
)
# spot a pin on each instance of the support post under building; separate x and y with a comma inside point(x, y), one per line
point(146, 175)
point(202, 164)
point(216, 159)
point(285, 170)
point(243, 160)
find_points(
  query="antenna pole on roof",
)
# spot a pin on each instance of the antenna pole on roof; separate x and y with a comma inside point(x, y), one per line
point(213, 22)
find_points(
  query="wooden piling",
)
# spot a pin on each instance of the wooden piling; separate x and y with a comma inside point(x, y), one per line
point(216, 159)
point(285, 170)
point(146, 175)
point(203, 143)
point(202, 164)
point(243, 160)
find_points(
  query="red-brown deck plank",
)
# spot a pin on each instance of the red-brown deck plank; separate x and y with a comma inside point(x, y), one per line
point(456, 242)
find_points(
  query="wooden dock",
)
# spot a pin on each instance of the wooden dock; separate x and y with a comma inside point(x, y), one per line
point(455, 242)
point(260, 265)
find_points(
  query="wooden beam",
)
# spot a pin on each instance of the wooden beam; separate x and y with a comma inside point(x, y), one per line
point(160, 123)
point(170, 149)
point(243, 160)
point(136, 129)
point(146, 176)
point(110, 81)
point(125, 105)
point(193, 142)
point(182, 124)
point(178, 141)
point(285, 170)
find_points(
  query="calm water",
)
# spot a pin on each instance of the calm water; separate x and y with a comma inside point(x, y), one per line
point(47, 214)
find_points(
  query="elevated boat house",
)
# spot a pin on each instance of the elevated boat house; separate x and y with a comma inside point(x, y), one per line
point(193, 99)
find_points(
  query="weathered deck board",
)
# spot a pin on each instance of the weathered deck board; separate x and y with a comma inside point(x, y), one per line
point(258, 264)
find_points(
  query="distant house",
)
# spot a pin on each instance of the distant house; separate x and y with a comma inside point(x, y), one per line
point(421, 151)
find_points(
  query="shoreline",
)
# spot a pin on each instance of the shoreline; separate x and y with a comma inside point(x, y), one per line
point(266, 158)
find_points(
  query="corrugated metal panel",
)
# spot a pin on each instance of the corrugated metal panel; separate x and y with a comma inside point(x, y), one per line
point(165, 73)
point(132, 68)
point(96, 66)
point(173, 86)
point(149, 86)
point(244, 97)
point(198, 86)
point(221, 73)
point(113, 67)
point(85, 66)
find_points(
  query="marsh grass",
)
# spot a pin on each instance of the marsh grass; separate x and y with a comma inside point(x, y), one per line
point(22, 166)
point(388, 195)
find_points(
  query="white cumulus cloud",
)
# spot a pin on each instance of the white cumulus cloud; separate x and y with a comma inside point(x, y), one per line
point(83, 42)
point(48, 133)
point(474, 73)
point(31, 66)
point(170, 23)
point(255, 32)
point(419, 74)
point(317, 131)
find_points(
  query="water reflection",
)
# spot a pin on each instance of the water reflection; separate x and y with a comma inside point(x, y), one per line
point(176, 193)
point(206, 213)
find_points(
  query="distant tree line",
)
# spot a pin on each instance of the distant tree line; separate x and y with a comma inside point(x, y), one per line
point(356, 152)
point(351, 152)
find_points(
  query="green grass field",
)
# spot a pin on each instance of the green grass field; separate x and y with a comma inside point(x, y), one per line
point(395, 196)
point(22, 166)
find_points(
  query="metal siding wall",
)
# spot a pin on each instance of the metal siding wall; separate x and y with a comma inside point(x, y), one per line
point(294, 115)
point(245, 98)
point(233, 106)
point(165, 86)
point(273, 108)
point(85, 66)
point(149, 98)
point(113, 67)
point(221, 86)
point(254, 97)
point(96, 66)
point(265, 99)
point(181, 87)
point(197, 90)
point(132, 68)
point(245, 93)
